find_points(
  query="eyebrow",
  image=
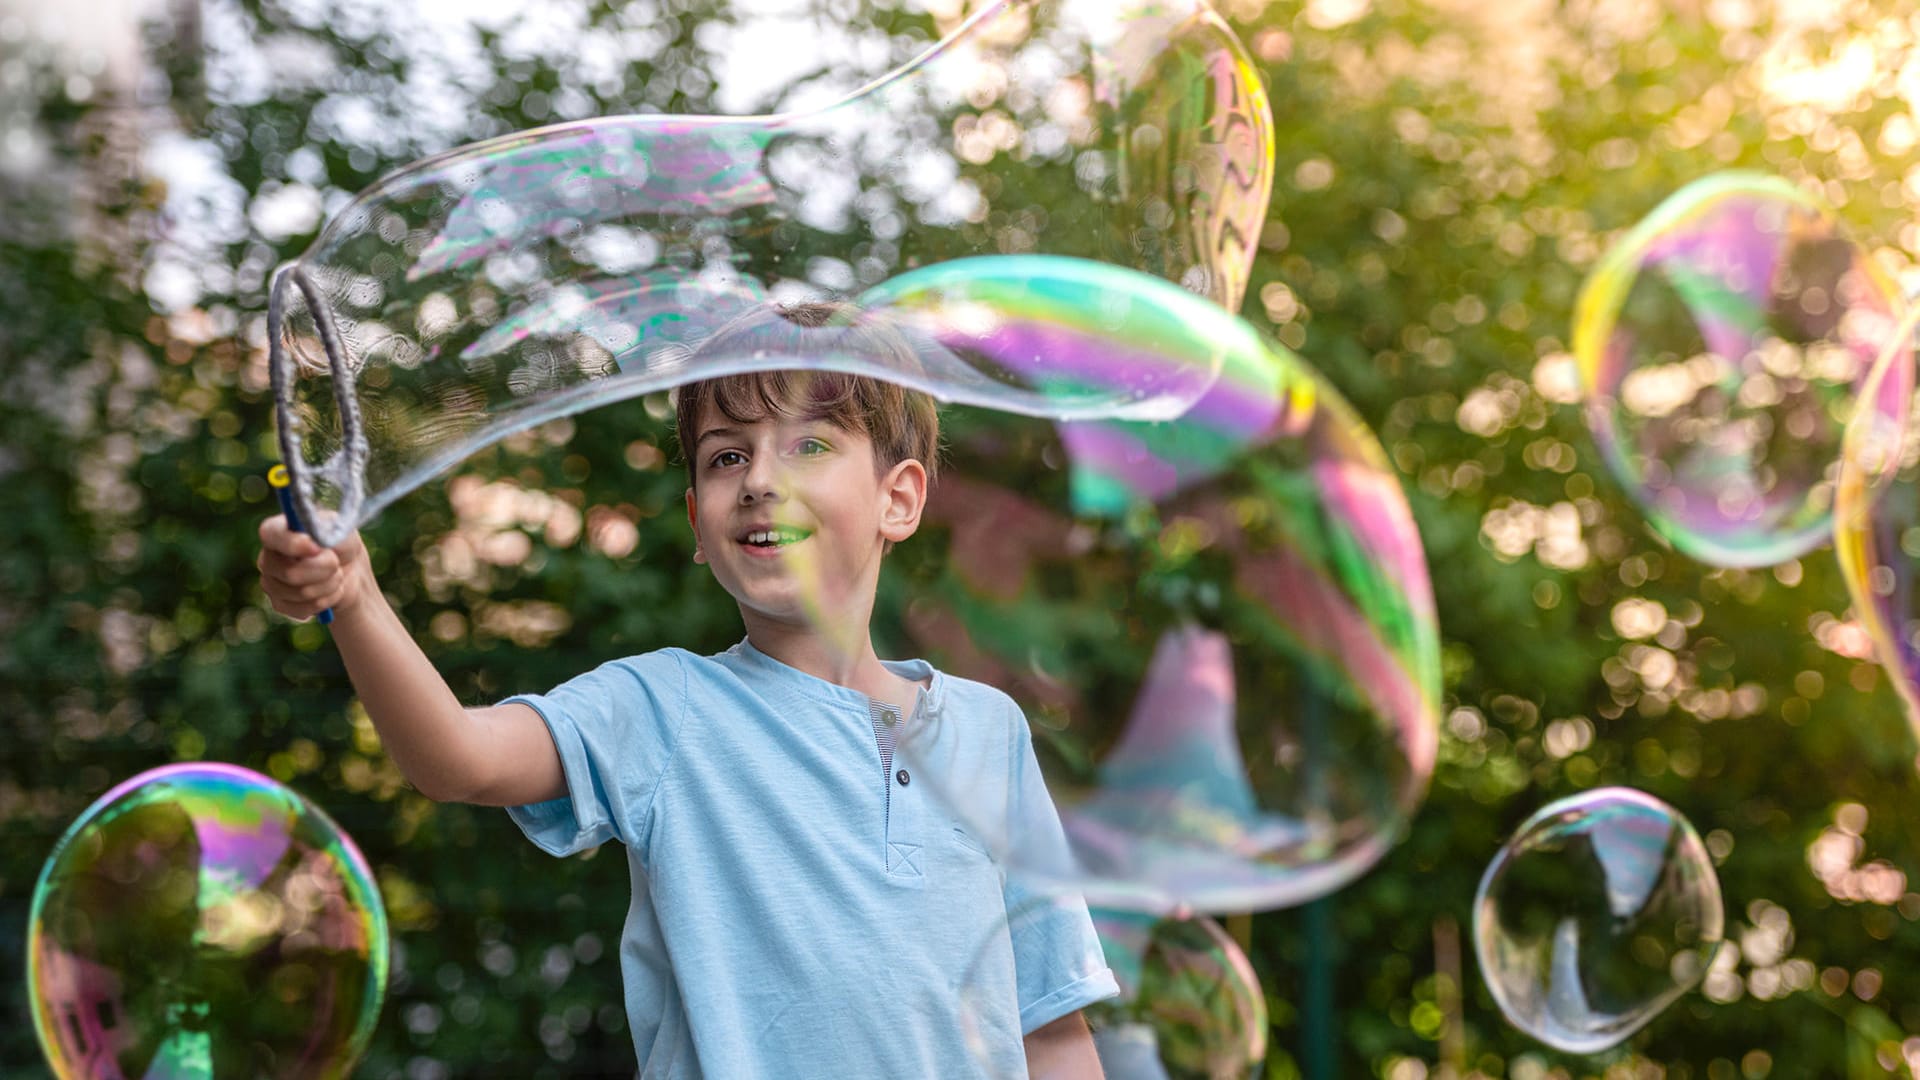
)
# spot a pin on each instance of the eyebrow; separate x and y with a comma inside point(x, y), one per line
point(732, 432)
point(720, 432)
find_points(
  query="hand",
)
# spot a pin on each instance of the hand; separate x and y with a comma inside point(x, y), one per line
point(302, 579)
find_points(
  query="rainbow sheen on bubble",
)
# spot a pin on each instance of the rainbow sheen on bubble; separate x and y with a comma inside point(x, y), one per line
point(1600, 911)
point(1721, 343)
point(498, 285)
point(1190, 1003)
point(1189, 1007)
point(1876, 520)
point(1220, 628)
point(202, 920)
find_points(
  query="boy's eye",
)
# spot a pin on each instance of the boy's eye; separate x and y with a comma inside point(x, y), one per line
point(722, 459)
point(813, 446)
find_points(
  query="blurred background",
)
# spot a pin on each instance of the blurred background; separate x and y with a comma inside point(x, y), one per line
point(1448, 172)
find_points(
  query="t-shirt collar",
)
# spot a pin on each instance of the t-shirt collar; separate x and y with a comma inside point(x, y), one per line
point(928, 701)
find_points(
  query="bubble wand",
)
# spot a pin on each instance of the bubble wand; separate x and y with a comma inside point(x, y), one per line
point(282, 486)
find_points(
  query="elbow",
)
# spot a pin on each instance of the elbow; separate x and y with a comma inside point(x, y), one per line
point(435, 791)
point(450, 771)
point(474, 787)
point(440, 788)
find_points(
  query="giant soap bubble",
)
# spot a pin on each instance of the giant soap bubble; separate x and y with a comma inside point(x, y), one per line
point(1086, 280)
point(1721, 343)
point(1601, 911)
point(501, 284)
point(201, 920)
point(1876, 517)
point(1219, 626)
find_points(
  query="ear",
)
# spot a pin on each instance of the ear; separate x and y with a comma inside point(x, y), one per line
point(904, 497)
point(693, 522)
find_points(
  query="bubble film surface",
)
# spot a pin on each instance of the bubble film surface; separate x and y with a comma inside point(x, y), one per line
point(1601, 911)
point(1191, 1006)
point(1876, 519)
point(501, 284)
point(1220, 628)
point(1721, 344)
point(201, 920)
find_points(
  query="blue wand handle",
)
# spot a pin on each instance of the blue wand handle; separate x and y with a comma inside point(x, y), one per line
point(282, 485)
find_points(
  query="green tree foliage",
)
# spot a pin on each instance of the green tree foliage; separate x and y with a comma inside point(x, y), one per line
point(1447, 174)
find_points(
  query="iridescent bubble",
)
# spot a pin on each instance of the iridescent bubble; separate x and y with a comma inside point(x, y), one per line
point(498, 285)
point(1190, 1004)
point(1876, 520)
point(1721, 343)
point(202, 920)
point(1219, 626)
point(1601, 911)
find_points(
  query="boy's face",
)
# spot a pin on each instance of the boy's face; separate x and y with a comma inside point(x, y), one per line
point(815, 487)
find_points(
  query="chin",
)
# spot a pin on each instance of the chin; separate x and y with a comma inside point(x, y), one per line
point(773, 608)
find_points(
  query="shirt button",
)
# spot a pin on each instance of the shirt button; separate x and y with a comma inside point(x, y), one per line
point(902, 777)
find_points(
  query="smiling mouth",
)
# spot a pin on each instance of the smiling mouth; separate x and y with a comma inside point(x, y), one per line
point(769, 539)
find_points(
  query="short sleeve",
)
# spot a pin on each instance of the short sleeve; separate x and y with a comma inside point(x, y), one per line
point(1058, 962)
point(614, 728)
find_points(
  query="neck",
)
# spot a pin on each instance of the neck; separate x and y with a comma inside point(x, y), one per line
point(844, 657)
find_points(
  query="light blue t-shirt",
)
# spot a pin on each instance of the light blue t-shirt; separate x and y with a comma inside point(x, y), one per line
point(796, 912)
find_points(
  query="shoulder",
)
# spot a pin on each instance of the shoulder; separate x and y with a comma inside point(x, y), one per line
point(707, 679)
point(660, 675)
point(984, 705)
point(658, 664)
point(978, 694)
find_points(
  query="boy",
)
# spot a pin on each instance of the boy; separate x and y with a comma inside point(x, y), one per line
point(796, 911)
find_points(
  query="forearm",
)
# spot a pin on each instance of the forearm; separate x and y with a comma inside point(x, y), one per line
point(501, 755)
point(421, 723)
point(1063, 1050)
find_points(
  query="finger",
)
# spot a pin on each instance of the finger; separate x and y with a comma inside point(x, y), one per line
point(276, 536)
point(320, 568)
point(278, 571)
point(351, 548)
point(307, 592)
point(290, 608)
point(297, 550)
point(317, 592)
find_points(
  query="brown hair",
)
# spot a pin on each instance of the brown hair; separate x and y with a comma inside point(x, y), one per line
point(901, 423)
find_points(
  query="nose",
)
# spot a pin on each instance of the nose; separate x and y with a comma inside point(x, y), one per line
point(764, 479)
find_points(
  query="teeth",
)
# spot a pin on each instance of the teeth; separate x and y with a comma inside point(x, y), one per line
point(768, 536)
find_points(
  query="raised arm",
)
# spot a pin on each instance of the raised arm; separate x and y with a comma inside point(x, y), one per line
point(497, 756)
